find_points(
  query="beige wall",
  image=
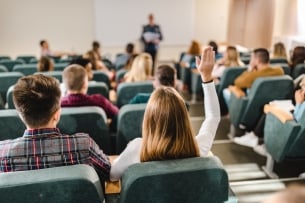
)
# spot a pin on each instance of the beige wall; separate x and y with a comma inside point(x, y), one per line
point(68, 25)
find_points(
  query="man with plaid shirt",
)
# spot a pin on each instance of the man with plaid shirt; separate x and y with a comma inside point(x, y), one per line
point(37, 100)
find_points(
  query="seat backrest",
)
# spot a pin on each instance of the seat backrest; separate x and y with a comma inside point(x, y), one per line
point(25, 58)
point(9, 98)
point(3, 68)
point(129, 124)
point(120, 75)
point(69, 184)
point(60, 66)
point(298, 70)
point(9, 64)
point(264, 90)
point(228, 77)
point(25, 69)
point(88, 119)
point(98, 88)
point(56, 74)
point(127, 90)
point(279, 137)
point(173, 181)
point(8, 79)
point(100, 76)
point(11, 126)
point(278, 60)
point(5, 58)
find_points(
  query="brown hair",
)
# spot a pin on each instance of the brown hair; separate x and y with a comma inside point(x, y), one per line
point(298, 56)
point(195, 48)
point(167, 132)
point(232, 57)
point(74, 77)
point(37, 98)
point(45, 64)
point(166, 75)
point(279, 50)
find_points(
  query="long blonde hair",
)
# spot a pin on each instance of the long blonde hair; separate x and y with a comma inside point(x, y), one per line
point(232, 57)
point(140, 69)
point(166, 131)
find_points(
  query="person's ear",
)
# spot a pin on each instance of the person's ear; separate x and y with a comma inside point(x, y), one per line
point(56, 115)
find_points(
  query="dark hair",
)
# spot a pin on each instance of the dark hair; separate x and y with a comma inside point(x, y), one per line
point(298, 55)
point(95, 45)
point(262, 54)
point(166, 75)
point(45, 64)
point(129, 48)
point(42, 42)
point(214, 45)
point(36, 98)
point(80, 61)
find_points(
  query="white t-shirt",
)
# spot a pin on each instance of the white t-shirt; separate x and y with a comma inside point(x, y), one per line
point(205, 137)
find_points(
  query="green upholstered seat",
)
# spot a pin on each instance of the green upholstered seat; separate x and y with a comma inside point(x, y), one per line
point(278, 60)
point(100, 76)
point(56, 74)
point(98, 88)
point(66, 184)
point(88, 119)
point(5, 58)
point(196, 85)
point(8, 79)
point(228, 77)
point(11, 126)
point(9, 98)
point(246, 111)
point(298, 70)
point(9, 64)
point(194, 180)
point(120, 75)
point(25, 69)
point(60, 66)
point(127, 90)
point(3, 68)
point(129, 124)
point(26, 58)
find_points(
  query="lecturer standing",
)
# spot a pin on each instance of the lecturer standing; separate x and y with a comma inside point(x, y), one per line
point(151, 37)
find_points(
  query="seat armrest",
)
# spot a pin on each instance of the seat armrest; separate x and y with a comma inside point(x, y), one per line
point(237, 91)
point(279, 113)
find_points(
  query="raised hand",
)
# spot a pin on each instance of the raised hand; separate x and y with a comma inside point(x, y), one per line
point(205, 64)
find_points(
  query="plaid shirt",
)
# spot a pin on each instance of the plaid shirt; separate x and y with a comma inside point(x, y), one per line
point(46, 148)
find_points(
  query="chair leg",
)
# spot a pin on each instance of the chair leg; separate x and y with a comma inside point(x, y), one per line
point(268, 169)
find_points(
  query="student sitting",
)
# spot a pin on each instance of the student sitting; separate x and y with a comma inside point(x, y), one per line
point(76, 82)
point(37, 100)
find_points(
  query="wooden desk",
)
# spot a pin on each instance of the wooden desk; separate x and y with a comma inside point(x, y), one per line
point(112, 187)
point(282, 115)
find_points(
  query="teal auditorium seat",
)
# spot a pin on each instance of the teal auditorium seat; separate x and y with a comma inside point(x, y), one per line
point(55, 74)
point(284, 66)
point(285, 143)
point(87, 119)
point(100, 76)
point(98, 88)
point(127, 90)
point(278, 60)
point(5, 58)
point(298, 70)
point(8, 79)
point(228, 77)
point(9, 98)
point(120, 75)
point(9, 64)
point(65, 184)
point(26, 59)
point(60, 66)
point(3, 69)
point(194, 180)
point(25, 69)
point(186, 72)
point(129, 124)
point(11, 126)
point(246, 111)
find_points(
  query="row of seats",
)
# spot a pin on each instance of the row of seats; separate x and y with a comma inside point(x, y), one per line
point(26, 69)
point(185, 180)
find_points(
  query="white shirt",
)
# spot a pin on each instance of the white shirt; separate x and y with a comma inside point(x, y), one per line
point(205, 137)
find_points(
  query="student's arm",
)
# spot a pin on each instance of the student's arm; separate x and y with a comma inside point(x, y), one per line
point(129, 156)
point(208, 128)
point(245, 80)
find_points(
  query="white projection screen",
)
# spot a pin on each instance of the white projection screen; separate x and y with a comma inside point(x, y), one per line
point(118, 22)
